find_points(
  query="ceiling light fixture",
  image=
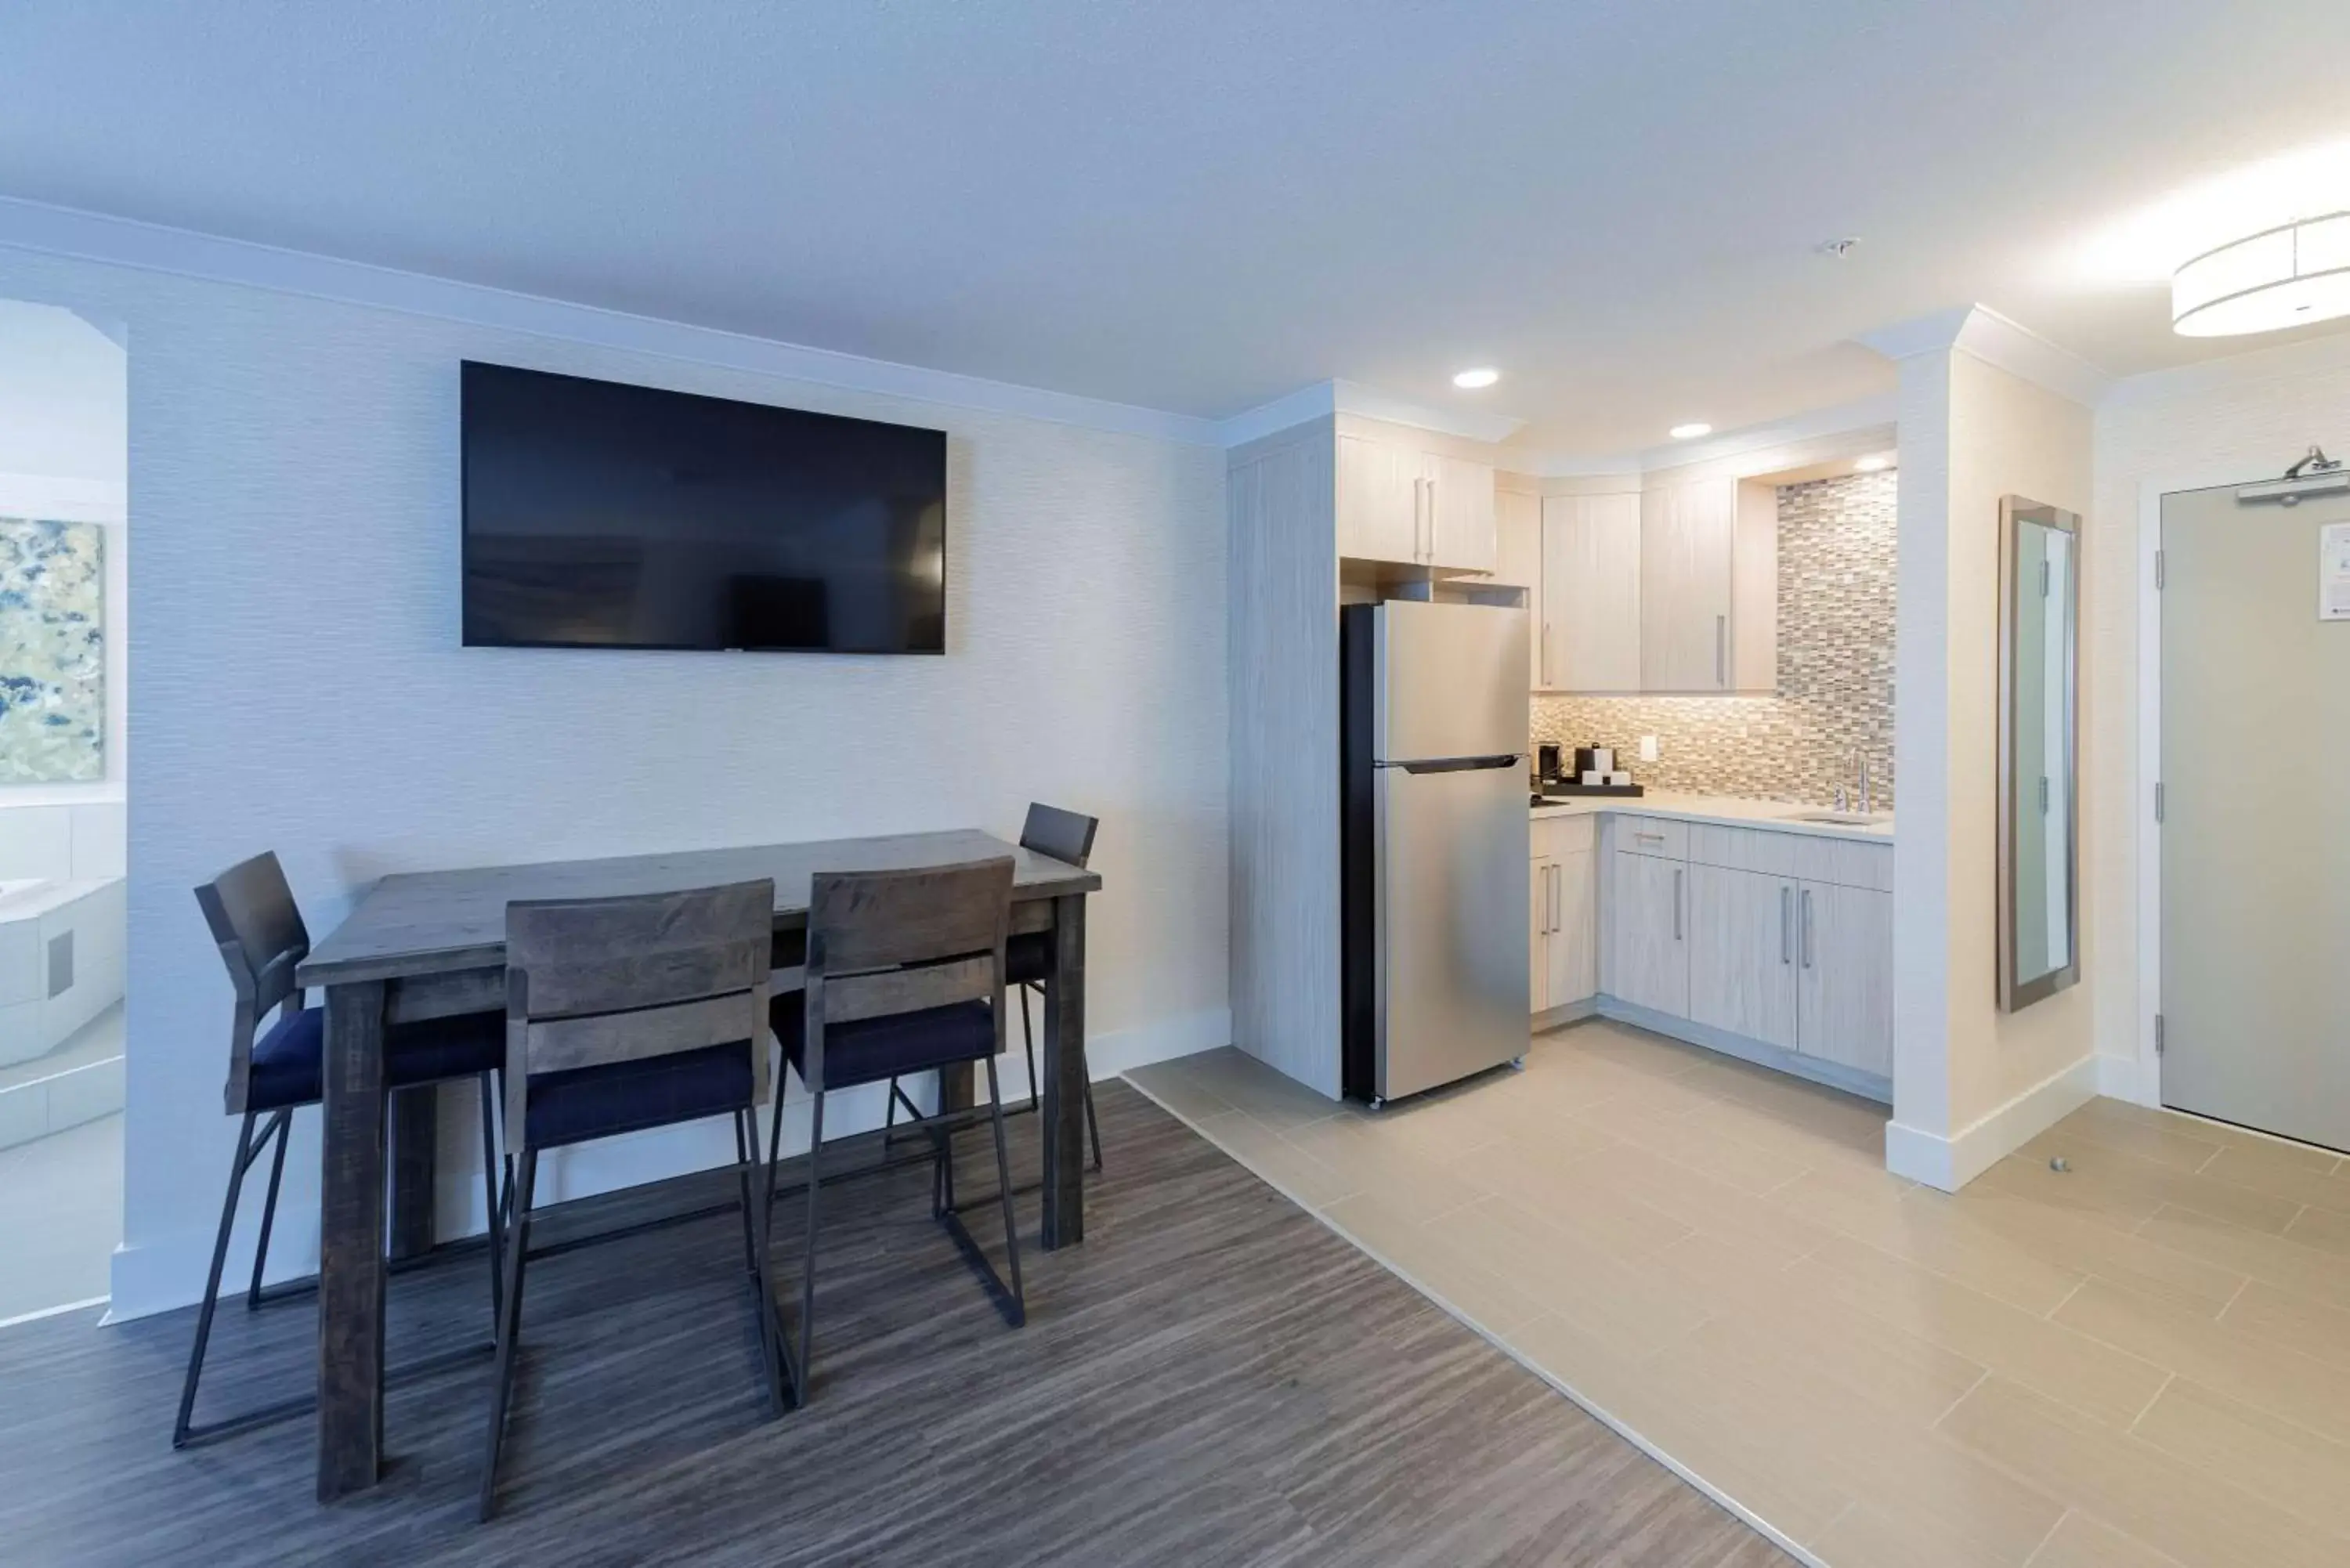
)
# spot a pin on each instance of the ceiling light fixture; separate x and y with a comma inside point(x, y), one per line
point(1872, 464)
point(1470, 380)
point(1689, 431)
point(2289, 275)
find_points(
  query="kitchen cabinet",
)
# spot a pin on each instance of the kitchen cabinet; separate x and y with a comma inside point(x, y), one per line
point(1517, 563)
point(1564, 955)
point(1402, 505)
point(1587, 636)
point(1844, 1007)
point(1460, 504)
point(1648, 933)
point(1687, 533)
point(1743, 953)
point(1378, 500)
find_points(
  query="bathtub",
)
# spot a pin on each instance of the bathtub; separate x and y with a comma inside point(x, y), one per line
point(60, 960)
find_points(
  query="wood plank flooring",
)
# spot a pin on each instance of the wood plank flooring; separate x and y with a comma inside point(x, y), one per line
point(2143, 1360)
point(1214, 1377)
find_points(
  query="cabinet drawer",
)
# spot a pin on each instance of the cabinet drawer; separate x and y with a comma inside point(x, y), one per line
point(1556, 836)
point(1657, 836)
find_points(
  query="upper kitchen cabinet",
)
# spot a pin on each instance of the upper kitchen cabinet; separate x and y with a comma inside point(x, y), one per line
point(1587, 638)
point(1461, 530)
point(1378, 500)
point(1405, 505)
point(1708, 589)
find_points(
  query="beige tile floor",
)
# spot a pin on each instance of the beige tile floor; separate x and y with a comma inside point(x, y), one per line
point(2142, 1361)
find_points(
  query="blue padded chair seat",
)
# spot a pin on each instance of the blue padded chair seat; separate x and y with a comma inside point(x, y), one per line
point(1028, 958)
point(288, 1059)
point(627, 1096)
point(872, 1049)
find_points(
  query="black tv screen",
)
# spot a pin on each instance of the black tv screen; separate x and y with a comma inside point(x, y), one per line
point(604, 515)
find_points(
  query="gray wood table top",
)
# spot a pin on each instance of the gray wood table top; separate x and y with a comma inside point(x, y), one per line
point(433, 922)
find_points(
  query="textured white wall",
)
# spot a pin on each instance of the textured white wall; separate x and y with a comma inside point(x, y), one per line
point(2228, 422)
point(297, 684)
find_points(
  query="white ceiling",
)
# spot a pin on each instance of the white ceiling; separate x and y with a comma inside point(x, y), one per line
point(1202, 206)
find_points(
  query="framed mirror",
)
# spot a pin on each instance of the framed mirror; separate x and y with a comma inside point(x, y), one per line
point(2039, 717)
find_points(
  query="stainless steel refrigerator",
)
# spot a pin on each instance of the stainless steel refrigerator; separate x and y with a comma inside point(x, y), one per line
point(1434, 842)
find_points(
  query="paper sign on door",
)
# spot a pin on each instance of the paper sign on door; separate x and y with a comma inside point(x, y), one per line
point(2334, 572)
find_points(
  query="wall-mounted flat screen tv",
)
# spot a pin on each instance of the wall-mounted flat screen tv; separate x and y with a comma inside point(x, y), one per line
point(604, 515)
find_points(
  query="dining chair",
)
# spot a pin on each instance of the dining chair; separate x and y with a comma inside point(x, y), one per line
point(622, 1014)
point(276, 1068)
point(1028, 956)
point(905, 974)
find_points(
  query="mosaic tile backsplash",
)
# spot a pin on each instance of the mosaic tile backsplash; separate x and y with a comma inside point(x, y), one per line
point(52, 652)
point(1834, 693)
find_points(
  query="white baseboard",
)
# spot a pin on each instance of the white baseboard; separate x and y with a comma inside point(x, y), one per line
point(1950, 1163)
point(160, 1273)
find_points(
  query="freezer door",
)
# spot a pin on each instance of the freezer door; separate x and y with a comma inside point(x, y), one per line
point(1452, 916)
point(1452, 681)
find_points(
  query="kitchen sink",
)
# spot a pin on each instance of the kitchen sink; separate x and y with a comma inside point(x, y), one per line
point(1846, 818)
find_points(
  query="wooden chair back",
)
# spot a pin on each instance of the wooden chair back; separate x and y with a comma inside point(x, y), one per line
point(593, 982)
point(1062, 835)
point(886, 942)
point(259, 932)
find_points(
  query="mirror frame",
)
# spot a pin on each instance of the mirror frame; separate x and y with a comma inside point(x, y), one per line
point(2015, 993)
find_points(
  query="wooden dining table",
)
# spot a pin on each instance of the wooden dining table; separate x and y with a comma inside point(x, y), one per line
point(433, 944)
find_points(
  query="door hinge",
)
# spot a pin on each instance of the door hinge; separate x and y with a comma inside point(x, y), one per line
point(2157, 801)
point(2157, 571)
point(2158, 1034)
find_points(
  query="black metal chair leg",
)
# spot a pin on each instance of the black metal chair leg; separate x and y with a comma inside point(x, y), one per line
point(280, 1127)
point(1093, 1128)
point(517, 1249)
point(746, 1143)
point(1004, 1187)
point(1028, 1043)
point(806, 1362)
point(495, 1223)
point(245, 1152)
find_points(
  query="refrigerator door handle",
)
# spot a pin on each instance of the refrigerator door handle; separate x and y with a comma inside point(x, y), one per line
point(1462, 764)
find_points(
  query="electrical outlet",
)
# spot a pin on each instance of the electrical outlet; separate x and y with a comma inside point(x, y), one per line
point(1648, 748)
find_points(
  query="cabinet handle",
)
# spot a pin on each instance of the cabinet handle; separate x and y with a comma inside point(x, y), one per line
point(1648, 839)
point(1721, 651)
point(1786, 926)
point(1678, 875)
point(1555, 897)
point(1545, 653)
point(1807, 927)
point(1431, 555)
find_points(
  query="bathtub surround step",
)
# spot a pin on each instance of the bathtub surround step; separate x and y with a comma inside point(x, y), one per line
point(61, 957)
point(79, 1082)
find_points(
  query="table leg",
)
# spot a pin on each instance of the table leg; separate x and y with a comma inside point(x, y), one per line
point(1063, 1072)
point(350, 1244)
point(414, 1137)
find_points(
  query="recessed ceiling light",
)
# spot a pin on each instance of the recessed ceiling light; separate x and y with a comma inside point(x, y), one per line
point(1689, 431)
point(1483, 376)
point(1871, 464)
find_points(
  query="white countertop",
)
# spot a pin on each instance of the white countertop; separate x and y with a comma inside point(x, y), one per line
point(1729, 811)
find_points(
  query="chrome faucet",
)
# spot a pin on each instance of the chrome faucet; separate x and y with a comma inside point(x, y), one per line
point(1845, 795)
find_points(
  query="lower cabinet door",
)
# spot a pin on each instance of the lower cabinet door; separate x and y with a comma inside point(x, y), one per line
point(1845, 991)
point(1574, 928)
point(1743, 959)
point(1648, 933)
point(1538, 955)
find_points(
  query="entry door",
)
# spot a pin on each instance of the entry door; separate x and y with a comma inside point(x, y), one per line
point(2256, 818)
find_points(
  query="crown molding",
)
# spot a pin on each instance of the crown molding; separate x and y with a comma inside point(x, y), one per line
point(185, 253)
point(1979, 330)
point(1323, 398)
